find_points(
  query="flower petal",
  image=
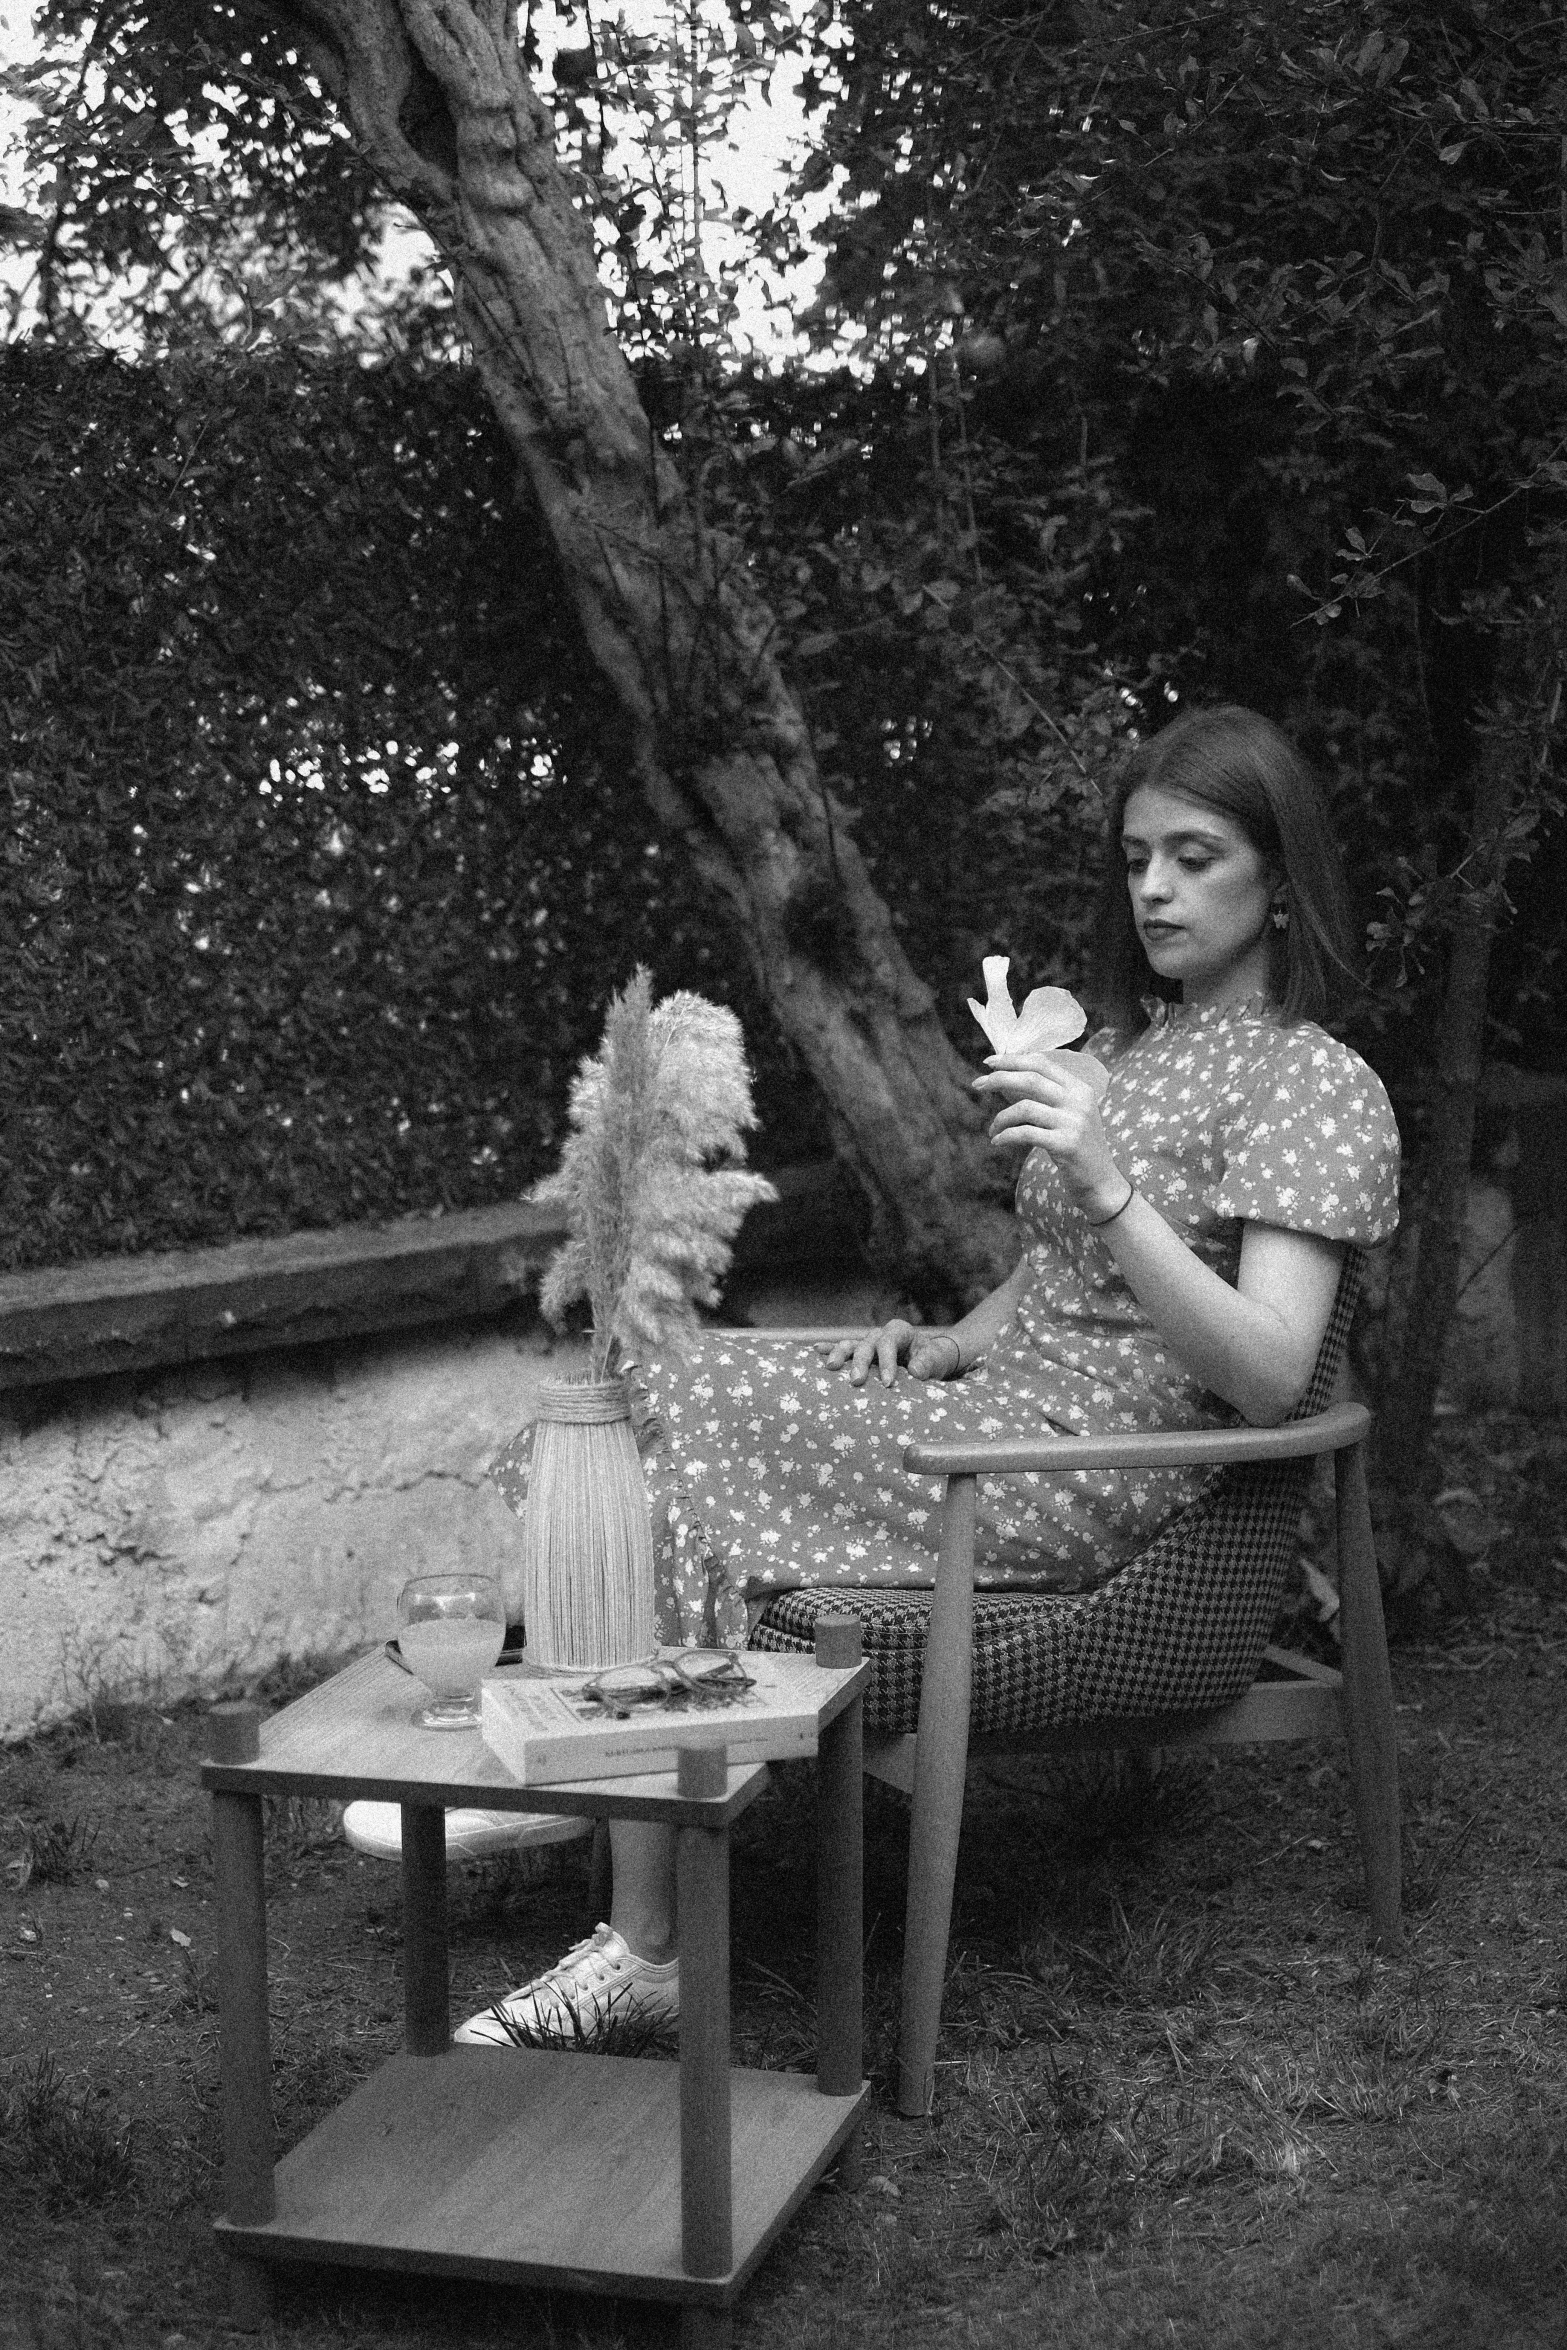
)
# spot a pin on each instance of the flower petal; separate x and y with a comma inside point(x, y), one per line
point(1051, 1016)
point(995, 1015)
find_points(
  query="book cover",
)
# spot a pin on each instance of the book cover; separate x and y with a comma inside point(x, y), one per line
point(544, 1732)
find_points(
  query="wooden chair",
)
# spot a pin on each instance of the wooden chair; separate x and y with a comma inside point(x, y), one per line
point(1173, 1651)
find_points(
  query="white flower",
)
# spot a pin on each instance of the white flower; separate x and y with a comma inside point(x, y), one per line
point(1050, 1016)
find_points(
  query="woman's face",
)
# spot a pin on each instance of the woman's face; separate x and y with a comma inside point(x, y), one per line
point(1201, 897)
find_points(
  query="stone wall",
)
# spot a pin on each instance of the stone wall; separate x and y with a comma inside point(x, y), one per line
point(169, 1531)
point(172, 1531)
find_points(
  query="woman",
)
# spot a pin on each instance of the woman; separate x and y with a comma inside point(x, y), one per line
point(1184, 1236)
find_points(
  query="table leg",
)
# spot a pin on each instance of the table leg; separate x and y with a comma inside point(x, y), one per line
point(702, 1894)
point(840, 1931)
point(245, 2055)
point(427, 2015)
point(245, 2060)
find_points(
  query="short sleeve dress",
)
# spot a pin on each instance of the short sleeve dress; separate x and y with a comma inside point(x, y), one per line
point(768, 1471)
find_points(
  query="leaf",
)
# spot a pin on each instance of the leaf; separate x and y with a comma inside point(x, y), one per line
point(18, 226)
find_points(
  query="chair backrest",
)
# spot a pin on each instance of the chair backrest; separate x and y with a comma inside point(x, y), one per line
point(1323, 1383)
point(1184, 1626)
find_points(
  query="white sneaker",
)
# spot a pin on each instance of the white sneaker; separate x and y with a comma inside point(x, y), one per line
point(600, 1982)
point(377, 1829)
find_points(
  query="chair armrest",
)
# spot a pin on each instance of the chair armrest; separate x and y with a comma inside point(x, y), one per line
point(1341, 1425)
point(819, 1334)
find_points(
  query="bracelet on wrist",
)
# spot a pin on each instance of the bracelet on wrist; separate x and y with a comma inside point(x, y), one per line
point(1098, 1223)
point(957, 1352)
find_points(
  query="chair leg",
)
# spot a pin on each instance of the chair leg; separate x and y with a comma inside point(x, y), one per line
point(1369, 1722)
point(940, 1767)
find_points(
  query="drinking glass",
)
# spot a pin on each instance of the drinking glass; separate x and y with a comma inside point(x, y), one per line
point(450, 1630)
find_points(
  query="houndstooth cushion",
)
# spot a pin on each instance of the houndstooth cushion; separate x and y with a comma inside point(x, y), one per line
point(1180, 1629)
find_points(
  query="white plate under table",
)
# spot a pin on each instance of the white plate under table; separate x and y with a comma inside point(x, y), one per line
point(592, 2174)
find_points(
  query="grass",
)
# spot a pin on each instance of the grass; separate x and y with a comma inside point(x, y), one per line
point(58, 2145)
point(53, 1852)
point(589, 2033)
point(1178, 2102)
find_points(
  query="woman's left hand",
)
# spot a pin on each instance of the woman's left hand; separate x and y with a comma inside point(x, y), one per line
point(1048, 1107)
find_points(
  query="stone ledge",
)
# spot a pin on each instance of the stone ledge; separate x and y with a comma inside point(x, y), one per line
point(145, 1312)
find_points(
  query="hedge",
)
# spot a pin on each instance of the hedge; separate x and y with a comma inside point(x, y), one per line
point(320, 863)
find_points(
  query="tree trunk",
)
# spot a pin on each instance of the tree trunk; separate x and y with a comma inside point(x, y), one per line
point(1404, 1422)
point(436, 97)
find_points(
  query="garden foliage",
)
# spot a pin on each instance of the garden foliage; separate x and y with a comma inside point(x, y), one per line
point(1216, 350)
point(322, 860)
point(1287, 280)
point(319, 864)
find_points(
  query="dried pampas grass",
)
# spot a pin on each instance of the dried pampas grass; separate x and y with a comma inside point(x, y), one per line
point(650, 1218)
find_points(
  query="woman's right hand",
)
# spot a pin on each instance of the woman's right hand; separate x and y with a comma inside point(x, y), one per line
point(930, 1354)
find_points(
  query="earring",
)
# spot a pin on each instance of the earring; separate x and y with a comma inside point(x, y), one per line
point(1280, 917)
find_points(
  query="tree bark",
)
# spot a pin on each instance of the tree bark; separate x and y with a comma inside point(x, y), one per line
point(1405, 1418)
point(436, 97)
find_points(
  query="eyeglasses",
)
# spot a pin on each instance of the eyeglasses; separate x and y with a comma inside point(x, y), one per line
point(696, 1676)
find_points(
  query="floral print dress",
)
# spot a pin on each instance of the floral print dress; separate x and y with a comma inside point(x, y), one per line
point(767, 1471)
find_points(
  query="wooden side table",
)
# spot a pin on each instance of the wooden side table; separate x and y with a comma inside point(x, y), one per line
point(591, 2174)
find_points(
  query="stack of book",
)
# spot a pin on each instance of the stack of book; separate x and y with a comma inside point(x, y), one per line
point(546, 1732)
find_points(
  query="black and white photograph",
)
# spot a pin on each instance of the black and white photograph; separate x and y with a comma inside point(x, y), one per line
point(783, 1174)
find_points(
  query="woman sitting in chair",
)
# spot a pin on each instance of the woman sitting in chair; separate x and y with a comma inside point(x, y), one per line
point(1184, 1230)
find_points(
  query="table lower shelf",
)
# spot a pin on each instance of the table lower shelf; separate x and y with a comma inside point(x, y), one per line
point(530, 2165)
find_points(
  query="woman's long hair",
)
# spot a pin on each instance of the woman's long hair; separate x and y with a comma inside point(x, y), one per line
point(1232, 760)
